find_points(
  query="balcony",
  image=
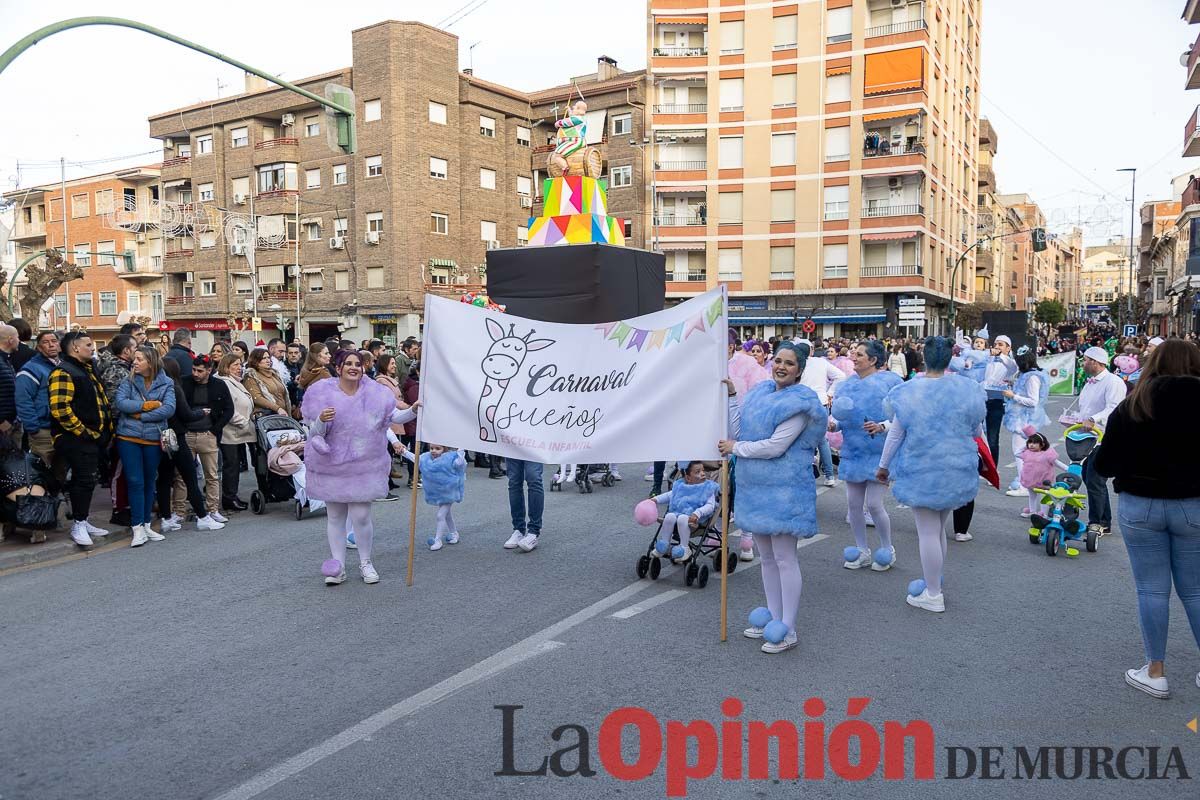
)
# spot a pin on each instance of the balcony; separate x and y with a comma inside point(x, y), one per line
point(182, 300)
point(680, 166)
point(1193, 61)
point(281, 141)
point(894, 28)
point(181, 253)
point(681, 52)
point(882, 147)
point(880, 210)
point(136, 217)
point(176, 168)
point(837, 211)
point(1191, 137)
point(684, 108)
point(141, 269)
point(25, 231)
point(680, 220)
point(891, 271)
point(178, 161)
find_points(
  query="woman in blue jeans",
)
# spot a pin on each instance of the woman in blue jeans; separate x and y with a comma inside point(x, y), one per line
point(1149, 450)
point(526, 529)
point(144, 403)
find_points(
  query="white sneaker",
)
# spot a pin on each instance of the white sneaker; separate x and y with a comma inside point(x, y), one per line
point(927, 601)
point(649, 476)
point(1155, 687)
point(140, 536)
point(93, 530)
point(218, 517)
point(828, 482)
point(1018, 492)
point(876, 566)
point(963, 537)
point(863, 560)
point(79, 535)
point(153, 535)
point(435, 543)
point(513, 540)
point(209, 523)
point(336, 579)
point(367, 570)
point(452, 537)
point(753, 632)
point(528, 542)
point(789, 641)
point(171, 523)
point(746, 552)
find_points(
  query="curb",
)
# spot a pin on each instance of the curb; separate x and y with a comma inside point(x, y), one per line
point(63, 549)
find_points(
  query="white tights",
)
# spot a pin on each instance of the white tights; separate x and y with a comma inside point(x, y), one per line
point(675, 523)
point(931, 537)
point(445, 521)
point(781, 576)
point(869, 493)
point(357, 515)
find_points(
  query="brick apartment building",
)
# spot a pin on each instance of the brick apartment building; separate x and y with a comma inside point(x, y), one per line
point(112, 231)
point(447, 166)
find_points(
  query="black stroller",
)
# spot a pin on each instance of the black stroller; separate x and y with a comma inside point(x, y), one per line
point(273, 488)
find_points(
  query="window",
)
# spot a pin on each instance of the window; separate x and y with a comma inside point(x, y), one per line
point(276, 177)
point(312, 126)
point(783, 149)
point(439, 223)
point(205, 191)
point(341, 280)
point(837, 88)
point(340, 226)
point(622, 124)
point(784, 32)
point(523, 136)
point(438, 168)
point(487, 231)
point(204, 144)
point(339, 174)
point(839, 24)
point(437, 113)
point(729, 264)
point(185, 150)
point(240, 187)
point(242, 285)
point(729, 206)
point(837, 144)
point(110, 249)
point(239, 137)
point(374, 166)
point(522, 235)
point(60, 305)
point(732, 37)
point(79, 205)
point(783, 90)
point(487, 126)
point(83, 254)
point(375, 222)
point(208, 288)
point(729, 152)
point(372, 111)
point(104, 201)
point(156, 304)
point(731, 94)
point(783, 263)
point(487, 178)
point(208, 239)
point(133, 301)
point(783, 205)
point(836, 258)
point(56, 210)
point(312, 178)
point(312, 231)
point(83, 304)
point(524, 186)
point(621, 176)
point(374, 277)
point(837, 202)
point(316, 281)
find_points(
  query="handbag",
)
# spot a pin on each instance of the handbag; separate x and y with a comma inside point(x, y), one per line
point(169, 441)
point(36, 512)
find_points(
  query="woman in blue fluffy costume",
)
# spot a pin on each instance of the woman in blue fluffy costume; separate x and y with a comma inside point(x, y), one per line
point(1024, 405)
point(931, 441)
point(858, 413)
point(776, 428)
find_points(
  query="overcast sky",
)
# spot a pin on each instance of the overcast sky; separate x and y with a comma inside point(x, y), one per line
point(1076, 89)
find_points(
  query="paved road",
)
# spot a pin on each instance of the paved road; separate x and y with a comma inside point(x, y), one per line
point(217, 665)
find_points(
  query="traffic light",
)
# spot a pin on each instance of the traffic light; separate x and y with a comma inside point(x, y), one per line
point(1039, 240)
point(339, 131)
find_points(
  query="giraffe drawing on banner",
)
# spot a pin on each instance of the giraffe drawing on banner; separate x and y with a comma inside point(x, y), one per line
point(501, 364)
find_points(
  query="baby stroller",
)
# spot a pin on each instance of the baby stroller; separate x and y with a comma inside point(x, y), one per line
point(1061, 524)
point(272, 487)
point(704, 542)
point(584, 476)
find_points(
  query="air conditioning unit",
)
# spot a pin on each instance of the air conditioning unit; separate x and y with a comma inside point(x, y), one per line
point(493, 245)
point(337, 243)
point(189, 277)
point(894, 183)
point(239, 199)
point(290, 119)
point(168, 144)
point(237, 249)
point(372, 237)
point(899, 3)
point(140, 238)
point(293, 271)
point(526, 202)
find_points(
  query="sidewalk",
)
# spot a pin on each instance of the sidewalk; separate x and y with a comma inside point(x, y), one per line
point(17, 552)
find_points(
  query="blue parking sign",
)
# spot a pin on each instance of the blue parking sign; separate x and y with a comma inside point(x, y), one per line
point(1130, 330)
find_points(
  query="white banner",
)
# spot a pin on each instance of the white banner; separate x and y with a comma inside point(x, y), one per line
point(643, 389)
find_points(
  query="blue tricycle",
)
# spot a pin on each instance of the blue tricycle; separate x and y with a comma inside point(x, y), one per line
point(1061, 525)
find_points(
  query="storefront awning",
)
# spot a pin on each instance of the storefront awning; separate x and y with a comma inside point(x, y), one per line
point(890, 237)
point(783, 316)
point(680, 189)
point(900, 114)
point(669, 247)
point(681, 20)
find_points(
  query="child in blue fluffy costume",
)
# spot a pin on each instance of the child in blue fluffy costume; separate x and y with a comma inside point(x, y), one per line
point(972, 363)
point(777, 428)
point(859, 414)
point(931, 441)
point(444, 480)
point(691, 501)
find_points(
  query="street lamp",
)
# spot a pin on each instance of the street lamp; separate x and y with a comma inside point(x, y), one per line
point(1132, 213)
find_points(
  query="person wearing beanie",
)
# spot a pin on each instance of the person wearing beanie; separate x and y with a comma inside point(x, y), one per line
point(1101, 394)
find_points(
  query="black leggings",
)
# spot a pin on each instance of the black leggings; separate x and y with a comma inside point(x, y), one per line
point(184, 462)
point(962, 517)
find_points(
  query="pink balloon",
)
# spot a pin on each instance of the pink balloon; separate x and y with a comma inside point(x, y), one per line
point(645, 513)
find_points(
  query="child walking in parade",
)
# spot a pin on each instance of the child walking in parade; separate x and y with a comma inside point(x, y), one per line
point(444, 481)
point(690, 502)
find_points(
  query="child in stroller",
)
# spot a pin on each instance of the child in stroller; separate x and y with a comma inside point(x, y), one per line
point(690, 502)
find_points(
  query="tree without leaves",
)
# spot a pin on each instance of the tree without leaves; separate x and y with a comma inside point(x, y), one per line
point(44, 281)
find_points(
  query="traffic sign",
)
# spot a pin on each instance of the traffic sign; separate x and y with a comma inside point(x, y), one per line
point(1130, 330)
point(809, 326)
point(912, 301)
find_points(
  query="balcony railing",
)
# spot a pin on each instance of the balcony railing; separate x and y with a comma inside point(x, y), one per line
point(680, 219)
point(692, 276)
point(289, 295)
point(830, 157)
point(681, 108)
point(891, 271)
point(837, 272)
point(179, 254)
point(1190, 140)
point(897, 27)
point(178, 161)
point(181, 300)
point(1191, 195)
point(681, 52)
point(836, 211)
point(892, 211)
point(282, 141)
point(276, 193)
point(886, 148)
point(680, 165)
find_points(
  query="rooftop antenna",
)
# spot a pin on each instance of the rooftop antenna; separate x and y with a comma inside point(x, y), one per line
point(471, 56)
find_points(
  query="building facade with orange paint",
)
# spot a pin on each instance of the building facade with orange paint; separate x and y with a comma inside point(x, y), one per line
point(819, 158)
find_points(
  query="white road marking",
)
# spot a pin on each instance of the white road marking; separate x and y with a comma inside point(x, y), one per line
point(530, 647)
point(811, 540)
point(648, 603)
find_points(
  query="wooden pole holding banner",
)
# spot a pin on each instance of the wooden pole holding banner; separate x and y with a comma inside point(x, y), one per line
point(412, 510)
point(724, 544)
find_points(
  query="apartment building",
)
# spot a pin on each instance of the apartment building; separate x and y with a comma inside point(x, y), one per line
point(1104, 275)
point(1065, 258)
point(819, 158)
point(110, 224)
point(448, 165)
point(1030, 273)
point(991, 219)
point(1157, 264)
point(1183, 291)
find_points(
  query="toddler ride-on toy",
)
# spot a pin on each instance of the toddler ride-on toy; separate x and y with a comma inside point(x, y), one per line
point(1061, 523)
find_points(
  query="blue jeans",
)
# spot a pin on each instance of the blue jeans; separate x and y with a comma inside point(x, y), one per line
point(530, 473)
point(1163, 541)
point(995, 416)
point(140, 462)
point(826, 458)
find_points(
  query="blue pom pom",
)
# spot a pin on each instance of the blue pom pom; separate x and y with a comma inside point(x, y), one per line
point(430, 541)
point(851, 554)
point(884, 557)
point(677, 551)
point(760, 617)
point(775, 631)
point(660, 547)
point(916, 587)
point(350, 537)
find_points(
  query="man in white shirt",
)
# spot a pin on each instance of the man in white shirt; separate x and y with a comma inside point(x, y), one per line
point(821, 376)
point(1100, 395)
